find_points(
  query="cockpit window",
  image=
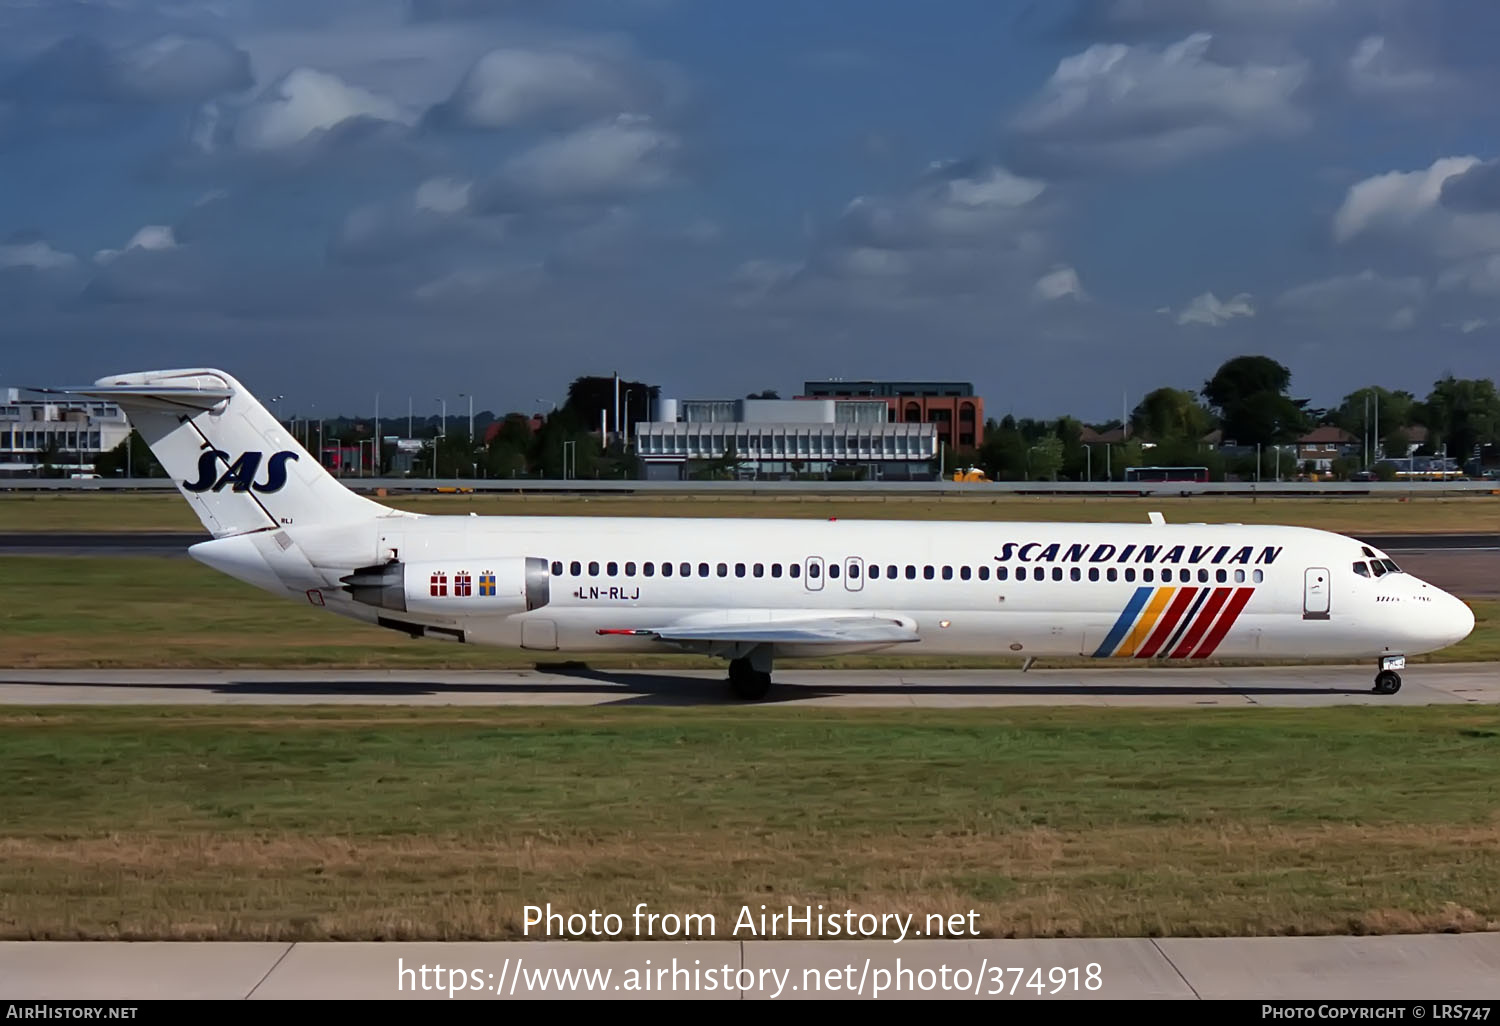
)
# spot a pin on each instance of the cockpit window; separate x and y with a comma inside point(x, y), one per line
point(1367, 551)
point(1391, 566)
point(1362, 569)
point(1377, 566)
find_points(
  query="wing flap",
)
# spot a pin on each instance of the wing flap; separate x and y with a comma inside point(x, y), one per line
point(824, 630)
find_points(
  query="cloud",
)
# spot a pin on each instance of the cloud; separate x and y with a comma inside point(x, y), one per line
point(1113, 18)
point(1480, 276)
point(1141, 107)
point(1208, 309)
point(1362, 301)
point(151, 237)
point(1377, 69)
point(1475, 189)
point(513, 86)
point(33, 254)
point(1059, 284)
point(600, 162)
point(1404, 208)
point(167, 69)
point(306, 102)
point(462, 10)
point(431, 216)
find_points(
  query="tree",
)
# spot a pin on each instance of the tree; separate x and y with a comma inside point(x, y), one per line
point(1373, 408)
point(1046, 459)
point(135, 450)
point(767, 394)
point(1249, 394)
point(587, 396)
point(1462, 413)
point(1170, 414)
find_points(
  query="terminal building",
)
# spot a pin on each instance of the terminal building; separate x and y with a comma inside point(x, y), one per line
point(67, 435)
point(784, 438)
point(952, 406)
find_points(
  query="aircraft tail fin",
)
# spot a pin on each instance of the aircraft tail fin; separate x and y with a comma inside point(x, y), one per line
point(236, 465)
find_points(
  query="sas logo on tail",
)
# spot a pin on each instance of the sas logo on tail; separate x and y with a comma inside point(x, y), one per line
point(240, 474)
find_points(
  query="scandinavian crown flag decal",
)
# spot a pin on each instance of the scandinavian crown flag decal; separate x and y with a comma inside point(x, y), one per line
point(487, 583)
point(463, 585)
point(438, 587)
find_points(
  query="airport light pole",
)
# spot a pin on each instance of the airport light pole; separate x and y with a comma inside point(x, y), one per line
point(472, 467)
point(442, 433)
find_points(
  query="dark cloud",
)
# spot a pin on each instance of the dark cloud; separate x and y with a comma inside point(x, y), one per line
point(462, 10)
point(167, 69)
point(1476, 190)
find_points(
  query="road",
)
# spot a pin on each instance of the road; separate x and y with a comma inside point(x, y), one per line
point(1235, 687)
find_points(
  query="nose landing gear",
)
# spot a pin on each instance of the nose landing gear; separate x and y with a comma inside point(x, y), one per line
point(1388, 681)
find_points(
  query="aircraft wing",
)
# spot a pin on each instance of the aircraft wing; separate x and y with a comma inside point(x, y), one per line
point(842, 630)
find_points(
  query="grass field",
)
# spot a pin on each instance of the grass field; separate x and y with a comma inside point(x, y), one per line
point(1413, 513)
point(144, 611)
point(348, 824)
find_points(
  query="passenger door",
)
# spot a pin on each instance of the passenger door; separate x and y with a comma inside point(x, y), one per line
point(1315, 587)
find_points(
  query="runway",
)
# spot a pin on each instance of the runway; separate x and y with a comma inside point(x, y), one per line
point(1440, 968)
point(1249, 687)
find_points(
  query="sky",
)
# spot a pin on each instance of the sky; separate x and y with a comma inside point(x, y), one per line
point(1066, 202)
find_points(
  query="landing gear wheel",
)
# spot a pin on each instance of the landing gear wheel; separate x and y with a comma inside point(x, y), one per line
point(1387, 682)
point(746, 682)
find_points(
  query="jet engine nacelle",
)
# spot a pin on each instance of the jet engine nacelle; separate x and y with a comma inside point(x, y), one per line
point(455, 587)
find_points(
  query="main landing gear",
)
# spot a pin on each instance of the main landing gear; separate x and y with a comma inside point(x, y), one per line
point(750, 676)
point(1388, 681)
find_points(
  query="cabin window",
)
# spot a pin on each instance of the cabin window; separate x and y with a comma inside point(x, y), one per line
point(965, 572)
point(874, 571)
point(1239, 577)
point(593, 569)
point(1203, 576)
point(1259, 577)
point(739, 569)
point(575, 568)
point(853, 569)
point(893, 572)
point(833, 569)
point(702, 569)
point(1001, 573)
point(629, 569)
point(684, 570)
point(1147, 574)
point(613, 569)
point(1020, 573)
point(1076, 574)
point(1130, 573)
point(775, 569)
point(1057, 573)
point(928, 573)
point(648, 569)
point(794, 569)
point(760, 570)
point(1093, 573)
point(1362, 570)
point(1112, 574)
point(723, 569)
point(813, 570)
point(556, 568)
point(1221, 576)
point(911, 572)
point(666, 569)
point(947, 573)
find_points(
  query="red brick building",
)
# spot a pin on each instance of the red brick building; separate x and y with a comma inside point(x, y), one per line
point(950, 405)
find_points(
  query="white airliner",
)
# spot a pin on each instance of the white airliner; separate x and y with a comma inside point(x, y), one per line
point(750, 590)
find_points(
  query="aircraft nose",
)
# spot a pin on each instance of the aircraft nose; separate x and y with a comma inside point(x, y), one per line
point(1458, 618)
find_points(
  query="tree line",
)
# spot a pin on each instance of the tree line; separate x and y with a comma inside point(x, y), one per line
point(1243, 412)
